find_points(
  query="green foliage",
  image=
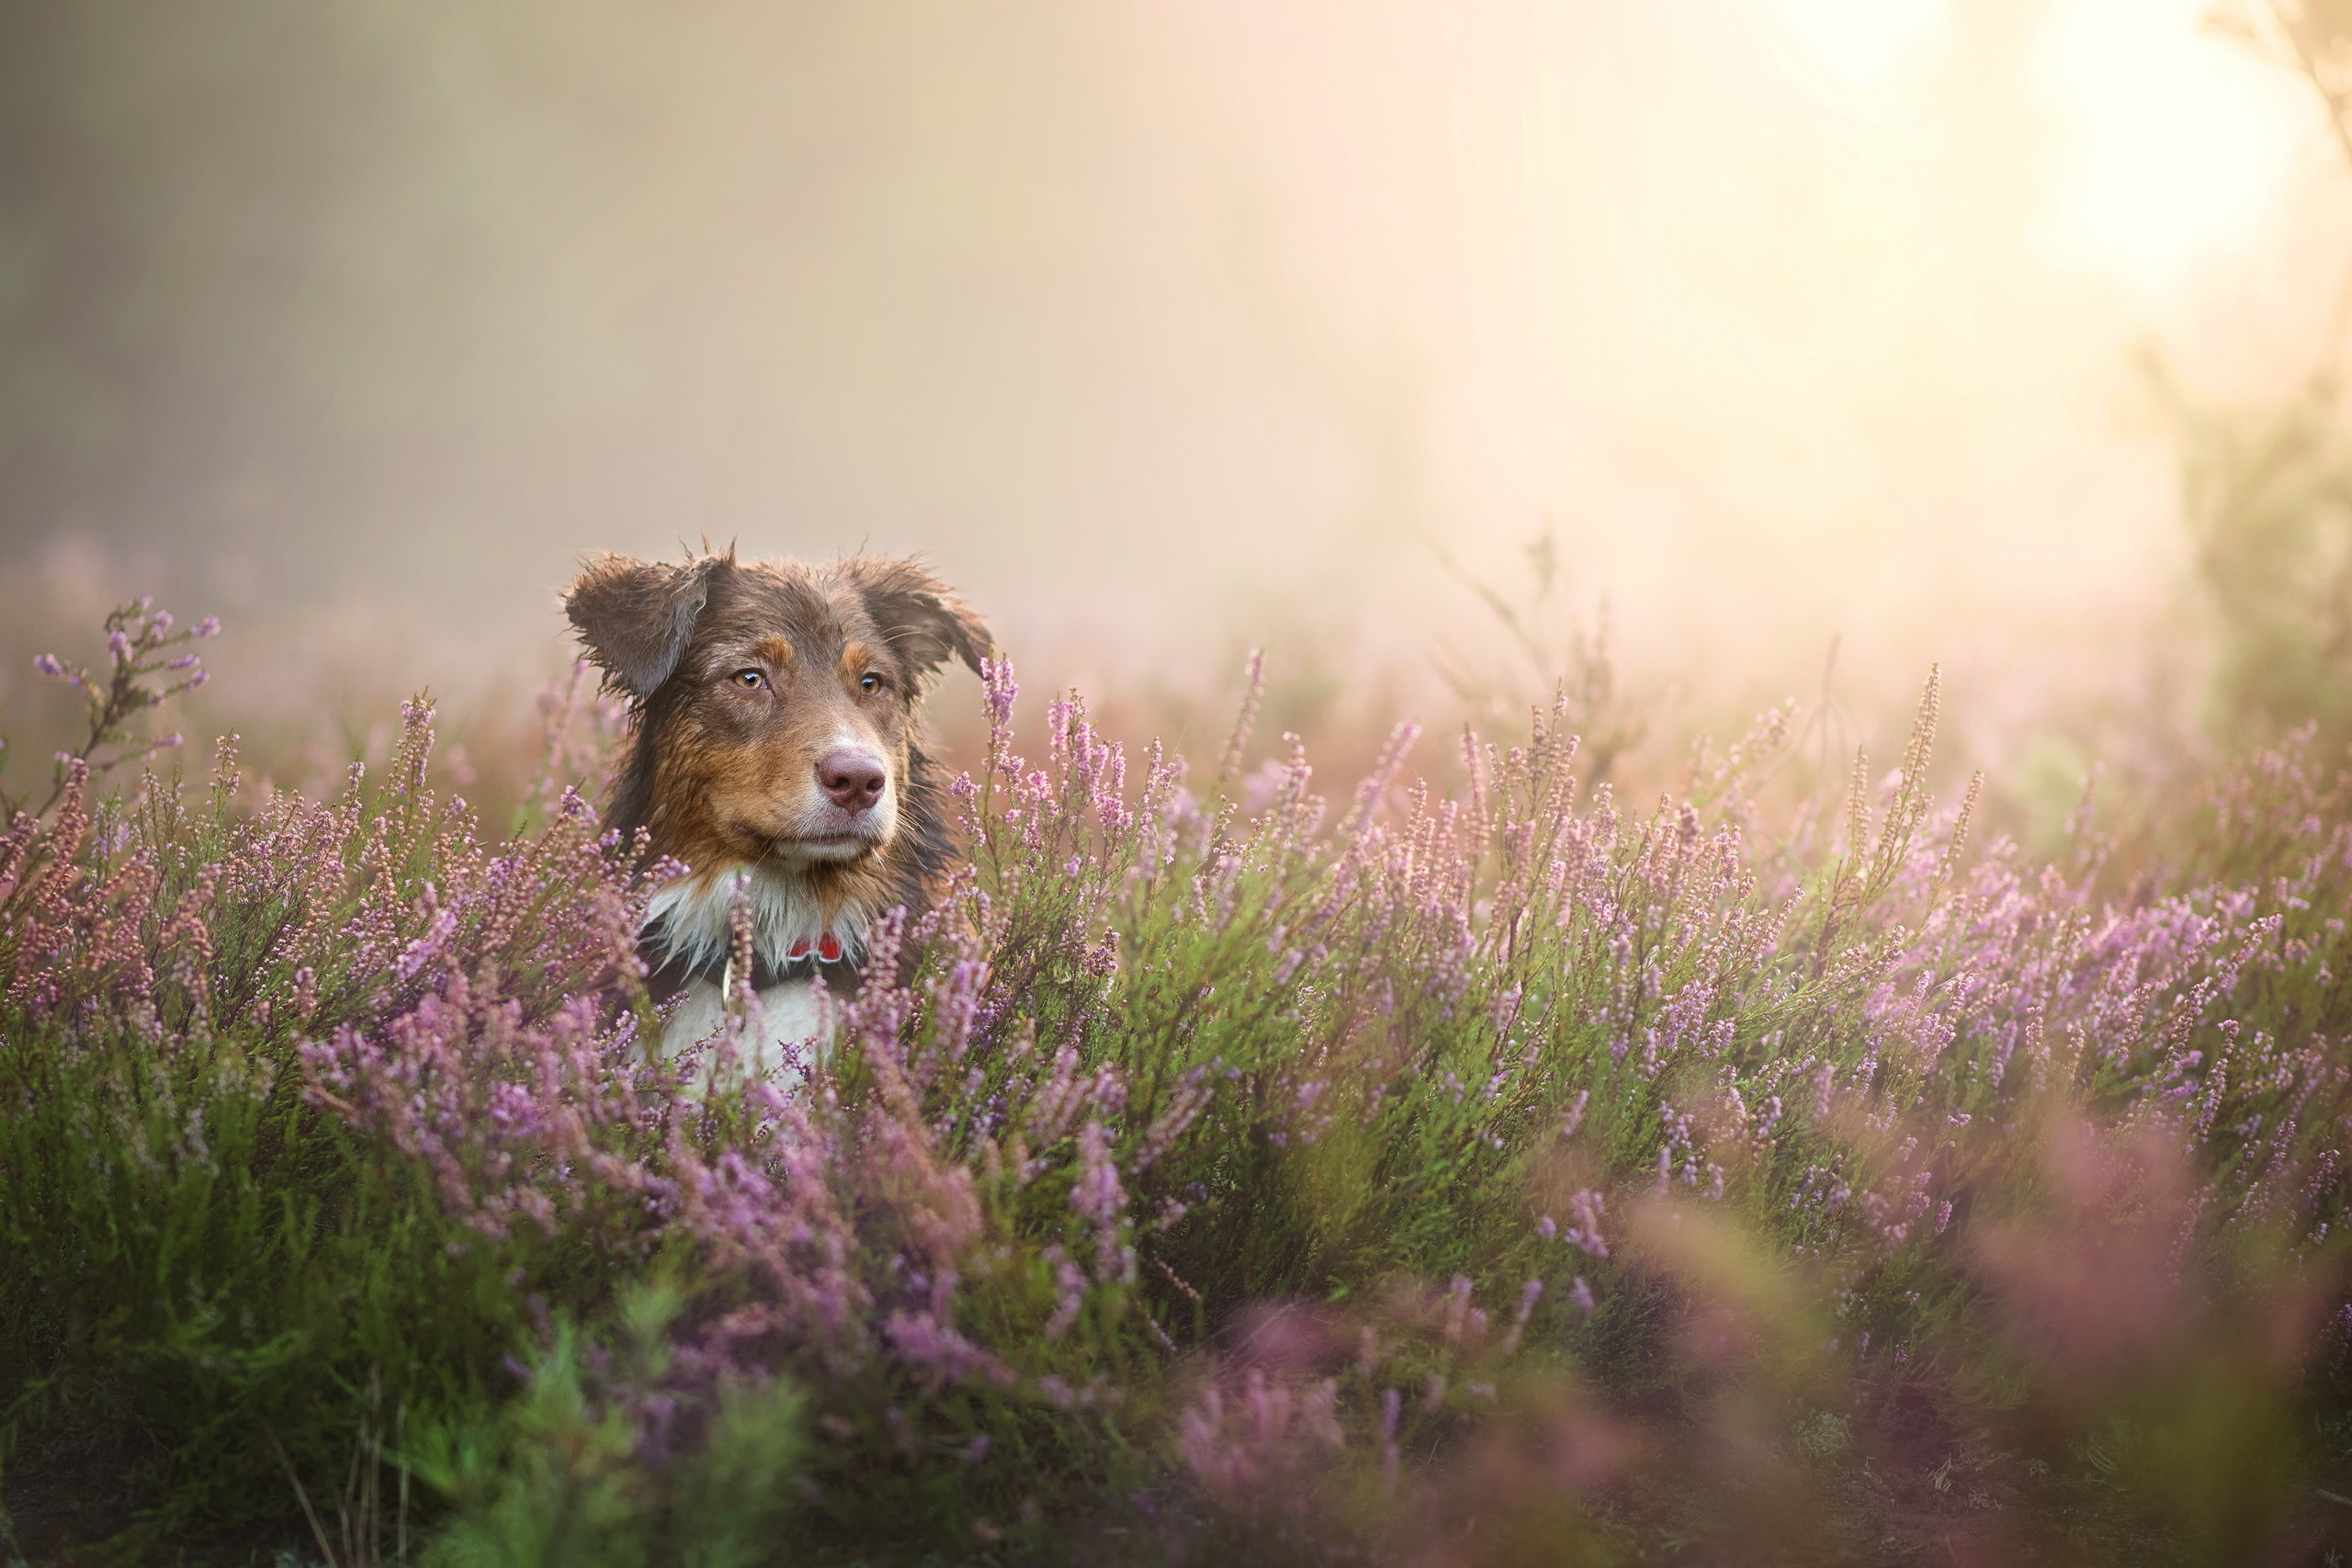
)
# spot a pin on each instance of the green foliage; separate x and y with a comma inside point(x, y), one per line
point(559, 1478)
point(2268, 492)
point(2268, 497)
point(190, 1242)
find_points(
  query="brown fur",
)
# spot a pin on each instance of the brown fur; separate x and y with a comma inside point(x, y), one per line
point(744, 678)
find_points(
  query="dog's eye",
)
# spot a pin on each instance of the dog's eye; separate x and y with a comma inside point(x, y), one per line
point(869, 682)
point(750, 680)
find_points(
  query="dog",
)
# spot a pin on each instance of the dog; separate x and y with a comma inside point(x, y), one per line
point(773, 745)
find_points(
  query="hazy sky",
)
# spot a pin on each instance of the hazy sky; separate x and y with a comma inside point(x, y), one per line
point(1151, 322)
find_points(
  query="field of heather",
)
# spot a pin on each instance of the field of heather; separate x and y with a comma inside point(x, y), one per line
point(1667, 883)
point(1257, 1169)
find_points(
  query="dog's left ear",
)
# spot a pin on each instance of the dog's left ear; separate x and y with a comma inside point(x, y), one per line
point(917, 614)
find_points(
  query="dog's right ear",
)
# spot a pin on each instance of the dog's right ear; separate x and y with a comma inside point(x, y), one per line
point(634, 617)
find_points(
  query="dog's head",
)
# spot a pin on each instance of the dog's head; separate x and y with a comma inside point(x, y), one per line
point(775, 702)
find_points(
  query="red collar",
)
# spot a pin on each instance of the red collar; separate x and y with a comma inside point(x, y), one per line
point(827, 950)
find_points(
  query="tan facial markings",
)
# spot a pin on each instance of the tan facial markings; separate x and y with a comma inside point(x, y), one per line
point(857, 670)
point(763, 665)
point(793, 760)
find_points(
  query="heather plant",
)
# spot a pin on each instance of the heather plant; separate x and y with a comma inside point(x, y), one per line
point(195, 1246)
point(1496, 1176)
point(142, 644)
point(1544, 644)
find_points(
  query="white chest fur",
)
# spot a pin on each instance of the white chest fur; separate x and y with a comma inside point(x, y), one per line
point(785, 1032)
point(694, 917)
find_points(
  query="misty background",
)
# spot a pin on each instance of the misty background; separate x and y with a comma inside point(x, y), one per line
point(1164, 330)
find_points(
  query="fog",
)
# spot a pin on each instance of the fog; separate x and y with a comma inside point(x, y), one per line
point(1161, 328)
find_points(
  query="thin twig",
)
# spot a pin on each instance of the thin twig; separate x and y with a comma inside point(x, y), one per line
point(399, 1435)
point(318, 1531)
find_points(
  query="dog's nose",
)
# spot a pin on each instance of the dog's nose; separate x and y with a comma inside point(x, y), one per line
point(851, 780)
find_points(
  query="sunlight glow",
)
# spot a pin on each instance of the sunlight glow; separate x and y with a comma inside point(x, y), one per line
point(2181, 140)
point(1860, 41)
